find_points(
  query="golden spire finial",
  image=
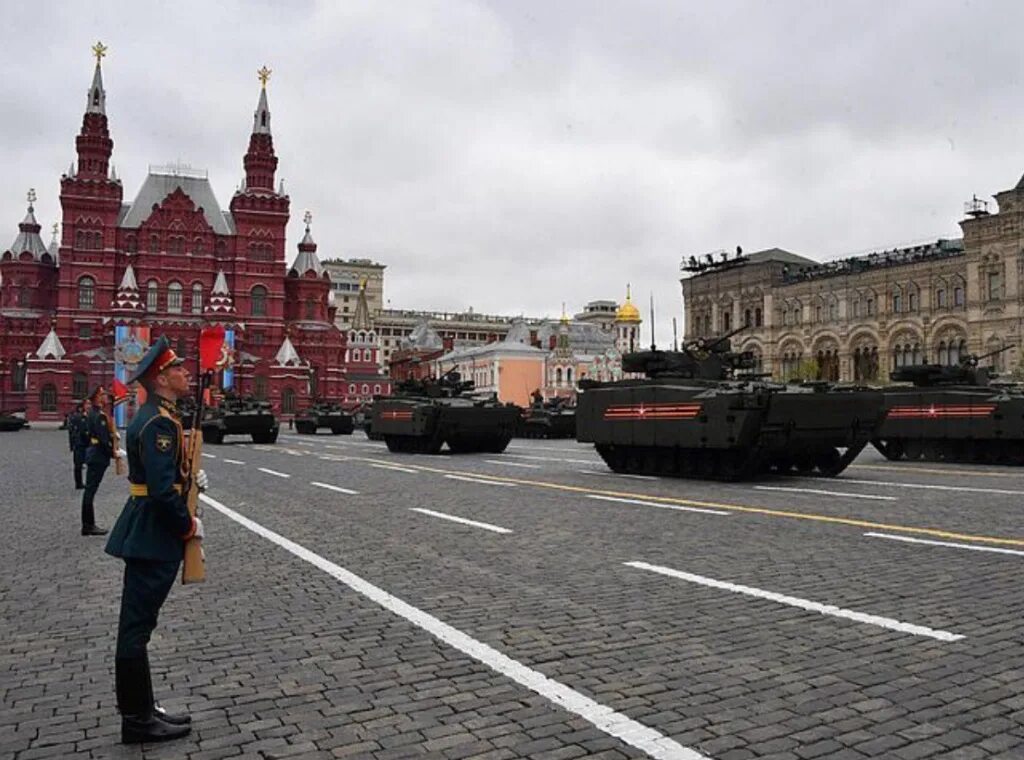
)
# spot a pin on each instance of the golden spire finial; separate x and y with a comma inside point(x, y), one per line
point(362, 282)
point(264, 74)
point(565, 317)
point(99, 50)
point(627, 293)
point(31, 196)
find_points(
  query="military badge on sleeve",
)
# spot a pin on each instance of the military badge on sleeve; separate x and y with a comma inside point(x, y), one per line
point(163, 443)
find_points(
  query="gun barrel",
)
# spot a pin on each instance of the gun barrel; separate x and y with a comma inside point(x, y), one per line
point(993, 353)
point(726, 337)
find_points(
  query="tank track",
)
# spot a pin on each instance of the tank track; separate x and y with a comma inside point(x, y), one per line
point(964, 450)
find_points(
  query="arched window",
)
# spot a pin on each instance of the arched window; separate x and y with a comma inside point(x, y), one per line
point(79, 385)
point(48, 398)
point(131, 244)
point(726, 321)
point(288, 401)
point(154, 243)
point(958, 296)
point(757, 317)
point(940, 298)
point(174, 298)
point(197, 246)
point(197, 298)
point(152, 295)
point(176, 245)
point(352, 388)
point(366, 388)
point(912, 301)
point(258, 302)
point(833, 309)
point(897, 301)
point(24, 297)
point(310, 309)
point(86, 293)
point(558, 376)
point(568, 376)
point(870, 305)
point(259, 387)
point(18, 376)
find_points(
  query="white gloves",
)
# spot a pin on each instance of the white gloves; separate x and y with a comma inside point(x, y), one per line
point(199, 529)
point(202, 481)
point(120, 454)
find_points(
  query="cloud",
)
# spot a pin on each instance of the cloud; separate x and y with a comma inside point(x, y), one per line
point(511, 156)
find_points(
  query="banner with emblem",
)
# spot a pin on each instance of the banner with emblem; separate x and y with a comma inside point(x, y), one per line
point(130, 344)
point(228, 374)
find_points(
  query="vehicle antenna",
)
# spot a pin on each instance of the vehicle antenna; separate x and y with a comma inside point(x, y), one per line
point(653, 346)
point(675, 336)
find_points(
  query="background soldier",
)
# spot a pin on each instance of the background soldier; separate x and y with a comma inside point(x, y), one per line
point(150, 536)
point(78, 439)
point(97, 458)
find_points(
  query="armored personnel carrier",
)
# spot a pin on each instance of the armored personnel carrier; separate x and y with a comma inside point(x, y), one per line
point(695, 415)
point(952, 414)
point(239, 416)
point(555, 418)
point(423, 415)
point(324, 414)
point(12, 421)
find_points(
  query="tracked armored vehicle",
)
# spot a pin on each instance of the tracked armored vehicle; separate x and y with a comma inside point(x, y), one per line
point(695, 415)
point(12, 421)
point(548, 419)
point(324, 414)
point(952, 414)
point(240, 416)
point(424, 415)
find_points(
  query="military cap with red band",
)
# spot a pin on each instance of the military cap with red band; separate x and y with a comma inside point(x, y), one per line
point(159, 357)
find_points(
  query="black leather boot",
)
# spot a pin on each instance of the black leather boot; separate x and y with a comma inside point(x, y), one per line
point(93, 530)
point(175, 719)
point(139, 722)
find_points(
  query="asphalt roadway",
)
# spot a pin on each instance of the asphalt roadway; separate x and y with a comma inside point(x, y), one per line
point(530, 604)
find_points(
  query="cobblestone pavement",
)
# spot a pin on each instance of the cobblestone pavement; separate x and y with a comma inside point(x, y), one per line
point(577, 614)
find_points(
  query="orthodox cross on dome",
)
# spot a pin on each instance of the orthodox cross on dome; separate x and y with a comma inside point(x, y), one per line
point(264, 74)
point(31, 196)
point(56, 229)
point(307, 218)
point(99, 50)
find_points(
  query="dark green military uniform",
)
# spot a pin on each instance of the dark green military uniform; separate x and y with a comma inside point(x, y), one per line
point(78, 442)
point(97, 459)
point(150, 537)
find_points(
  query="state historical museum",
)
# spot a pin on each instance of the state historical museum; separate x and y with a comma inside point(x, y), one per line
point(77, 312)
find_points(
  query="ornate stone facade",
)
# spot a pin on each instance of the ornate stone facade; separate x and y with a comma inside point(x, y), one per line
point(857, 319)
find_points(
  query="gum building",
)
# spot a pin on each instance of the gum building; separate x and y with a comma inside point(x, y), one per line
point(858, 318)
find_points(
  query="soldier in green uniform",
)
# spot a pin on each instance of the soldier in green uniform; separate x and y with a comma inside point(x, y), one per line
point(100, 451)
point(150, 537)
point(78, 440)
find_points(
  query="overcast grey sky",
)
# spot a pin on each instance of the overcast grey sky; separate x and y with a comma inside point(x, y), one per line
point(510, 156)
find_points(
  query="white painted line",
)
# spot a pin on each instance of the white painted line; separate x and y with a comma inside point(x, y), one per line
point(481, 480)
point(552, 459)
point(274, 472)
point(610, 474)
point(615, 724)
point(793, 601)
point(294, 453)
point(513, 464)
point(659, 506)
point(972, 547)
point(233, 461)
point(302, 443)
point(329, 487)
point(209, 456)
point(463, 520)
point(332, 458)
point(819, 492)
point(394, 467)
point(580, 450)
point(933, 487)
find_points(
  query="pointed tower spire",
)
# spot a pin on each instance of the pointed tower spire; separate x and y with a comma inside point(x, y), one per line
point(28, 233)
point(51, 347)
point(220, 297)
point(361, 318)
point(287, 354)
point(93, 143)
point(55, 243)
point(260, 162)
point(307, 259)
point(127, 297)
point(97, 98)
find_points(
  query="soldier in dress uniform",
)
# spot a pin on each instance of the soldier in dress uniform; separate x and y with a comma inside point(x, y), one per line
point(78, 440)
point(150, 537)
point(100, 451)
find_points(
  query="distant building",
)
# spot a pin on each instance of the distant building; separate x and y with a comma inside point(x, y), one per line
point(857, 319)
point(348, 277)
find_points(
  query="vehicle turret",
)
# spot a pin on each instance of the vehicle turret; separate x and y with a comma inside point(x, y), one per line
point(966, 372)
point(700, 359)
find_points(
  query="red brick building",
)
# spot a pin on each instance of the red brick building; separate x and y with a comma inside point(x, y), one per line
point(74, 313)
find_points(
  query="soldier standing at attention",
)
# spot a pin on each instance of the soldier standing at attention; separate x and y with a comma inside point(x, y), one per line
point(78, 441)
point(150, 537)
point(97, 458)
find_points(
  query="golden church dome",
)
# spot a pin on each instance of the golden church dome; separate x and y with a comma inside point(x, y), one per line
point(627, 312)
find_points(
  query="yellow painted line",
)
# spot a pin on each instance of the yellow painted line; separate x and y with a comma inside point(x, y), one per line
point(936, 532)
point(934, 470)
